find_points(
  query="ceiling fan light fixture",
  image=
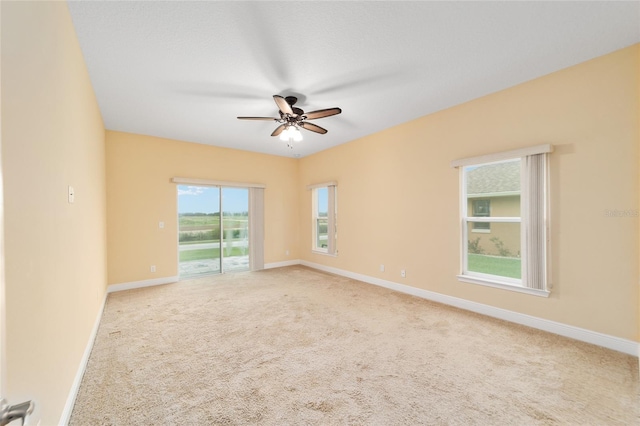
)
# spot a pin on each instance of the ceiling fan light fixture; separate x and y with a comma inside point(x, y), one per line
point(291, 133)
point(284, 136)
point(295, 134)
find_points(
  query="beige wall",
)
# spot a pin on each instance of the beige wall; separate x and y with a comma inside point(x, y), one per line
point(55, 252)
point(398, 195)
point(140, 194)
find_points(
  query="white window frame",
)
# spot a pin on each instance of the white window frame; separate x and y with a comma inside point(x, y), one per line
point(332, 216)
point(466, 218)
point(518, 285)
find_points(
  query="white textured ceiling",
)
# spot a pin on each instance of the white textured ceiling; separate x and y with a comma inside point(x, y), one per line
point(185, 70)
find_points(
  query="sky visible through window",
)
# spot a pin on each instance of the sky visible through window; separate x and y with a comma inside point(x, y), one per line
point(323, 201)
point(206, 199)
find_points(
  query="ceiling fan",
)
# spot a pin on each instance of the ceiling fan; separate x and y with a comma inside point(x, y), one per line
point(292, 118)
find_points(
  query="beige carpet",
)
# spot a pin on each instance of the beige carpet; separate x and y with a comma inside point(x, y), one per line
point(297, 346)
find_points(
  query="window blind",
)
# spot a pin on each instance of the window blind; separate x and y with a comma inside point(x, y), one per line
point(256, 228)
point(331, 223)
point(535, 219)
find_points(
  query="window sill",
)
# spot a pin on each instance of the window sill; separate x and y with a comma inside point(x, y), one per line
point(503, 285)
point(324, 253)
point(481, 231)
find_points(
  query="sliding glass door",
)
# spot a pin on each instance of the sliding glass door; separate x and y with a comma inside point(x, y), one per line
point(235, 226)
point(213, 230)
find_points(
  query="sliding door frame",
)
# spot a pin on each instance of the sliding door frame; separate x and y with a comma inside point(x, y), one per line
point(256, 227)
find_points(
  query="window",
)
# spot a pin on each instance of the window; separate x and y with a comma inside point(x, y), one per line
point(481, 208)
point(504, 220)
point(321, 216)
point(324, 218)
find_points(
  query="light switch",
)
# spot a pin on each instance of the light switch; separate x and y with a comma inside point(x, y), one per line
point(72, 193)
point(161, 225)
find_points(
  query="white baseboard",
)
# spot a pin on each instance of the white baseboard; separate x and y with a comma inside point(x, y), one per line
point(611, 342)
point(281, 264)
point(139, 284)
point(75, 386)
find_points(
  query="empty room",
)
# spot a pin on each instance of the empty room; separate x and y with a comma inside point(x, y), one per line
point(286, 213)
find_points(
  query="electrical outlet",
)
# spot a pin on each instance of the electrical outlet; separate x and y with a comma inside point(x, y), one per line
point(381, 267)
point(403, 273)
point(286, 252)
point(153, 268)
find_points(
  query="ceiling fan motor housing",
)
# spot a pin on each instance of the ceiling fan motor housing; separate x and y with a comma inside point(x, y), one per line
point(291, 100)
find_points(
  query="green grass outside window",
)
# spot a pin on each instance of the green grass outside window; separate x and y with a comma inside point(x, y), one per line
point(502, 266)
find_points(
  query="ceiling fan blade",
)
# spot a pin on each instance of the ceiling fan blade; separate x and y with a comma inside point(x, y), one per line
point(283, 105)
point(278, 130)
point(258, 118)
point(313, 127)
point(321, 113)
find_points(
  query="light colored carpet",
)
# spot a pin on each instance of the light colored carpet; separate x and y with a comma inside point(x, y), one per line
point(298, 346)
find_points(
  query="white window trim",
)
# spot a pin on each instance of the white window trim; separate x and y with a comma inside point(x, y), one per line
point(504, 285)
point(323, 253)
point(505, 155)
point(322, 185)
point(494, 219)
point(207, 182)
point(492, 280)
point(494, 194)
